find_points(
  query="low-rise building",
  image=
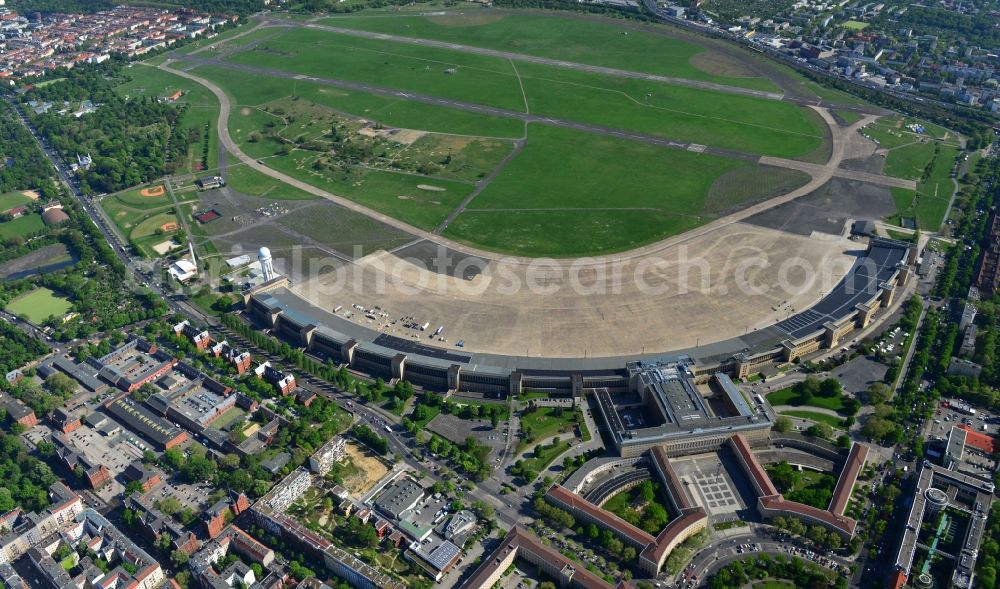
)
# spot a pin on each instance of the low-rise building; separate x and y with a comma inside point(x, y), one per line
point(155, 525)
point(147, 476)
point(17, 411)
point(96, 475)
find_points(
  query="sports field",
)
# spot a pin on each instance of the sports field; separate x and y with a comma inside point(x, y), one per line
point(22, 226)
point(10, 200)
point(145, 216)
point(38, 305)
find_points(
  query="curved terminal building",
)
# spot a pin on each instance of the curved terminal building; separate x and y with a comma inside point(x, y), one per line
point(870, 285)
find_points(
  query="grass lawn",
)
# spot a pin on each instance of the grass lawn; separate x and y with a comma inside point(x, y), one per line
point(830, 420)
point(403, 196)
point(227, 418)
point(687, 114)
point(547, 454)
point(934, 193)
point(599, 43)
point(830, 94)
point(390, 111)
point(432, 412)
point(848, 116)
point(136, 200)
point(249, 181)
point(909, 161)
point(711, 118)
point(773, 584)
point(747, 184)
point(671, 180)
point(545, 422)
point(790, 397)
point(474, 78)
point(38, 305)
point(10, 200)
point(149, 226)
point(855, 25)
point(22, 226)
point(568, 234)
point(557, 202)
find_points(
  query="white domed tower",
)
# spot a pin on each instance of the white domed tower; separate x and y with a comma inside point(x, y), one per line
point(266, 265)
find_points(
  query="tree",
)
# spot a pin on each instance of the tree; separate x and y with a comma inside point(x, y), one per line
point(817, 534)
point(170, 505)
point(59, 383)
point(820, 430)
point(164, 542)
point(877, 393)
point(179, 558)
point(593, 532)
point(784, 475)
point(829, 387)
point(133, 487)
point(833, 541)
point(783, 424)
point(367, 536)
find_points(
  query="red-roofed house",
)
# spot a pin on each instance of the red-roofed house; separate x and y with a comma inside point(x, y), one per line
point(983, 442)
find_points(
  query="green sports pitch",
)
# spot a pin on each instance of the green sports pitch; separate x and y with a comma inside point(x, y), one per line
point(602, 180)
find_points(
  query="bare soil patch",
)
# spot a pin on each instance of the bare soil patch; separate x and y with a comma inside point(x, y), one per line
point(368, 470)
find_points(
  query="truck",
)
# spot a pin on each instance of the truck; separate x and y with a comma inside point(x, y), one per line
point(387, 428)
point(424, 326)
point(438, 331)
point(759, 399)
point(963, 408)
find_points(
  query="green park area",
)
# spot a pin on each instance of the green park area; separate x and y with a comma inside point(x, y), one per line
point(436, 141)
point(855, 25)
point(923, 152)
point(607, 44)
point(38, 305)
point(549, 200)
point(21, 227)
point(540, 423)
point(539, 458)
point(200, 114)
point(641, 506)
point(675, 112)
point(805, 486)
point(815, 400)
point(815, 416)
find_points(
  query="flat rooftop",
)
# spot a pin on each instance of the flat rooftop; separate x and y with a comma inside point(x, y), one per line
point(680, 408)
point(859, 286)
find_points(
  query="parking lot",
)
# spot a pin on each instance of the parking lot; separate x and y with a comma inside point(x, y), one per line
point(116, 453)
point(193, 496)
point(457, 430)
